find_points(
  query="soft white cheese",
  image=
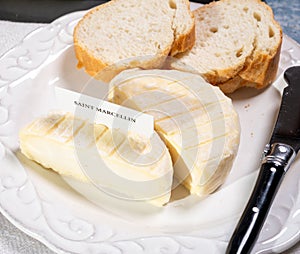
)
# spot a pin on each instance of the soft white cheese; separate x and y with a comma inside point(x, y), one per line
point(125, 165)
point(195, 119)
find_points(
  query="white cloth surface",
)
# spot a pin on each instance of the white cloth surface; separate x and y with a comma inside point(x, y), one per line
point(12, 240)
point(12, 33)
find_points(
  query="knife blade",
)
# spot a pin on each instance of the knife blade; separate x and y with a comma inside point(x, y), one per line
point(279, 153)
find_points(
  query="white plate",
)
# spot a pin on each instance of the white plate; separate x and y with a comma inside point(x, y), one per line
point(41, 204)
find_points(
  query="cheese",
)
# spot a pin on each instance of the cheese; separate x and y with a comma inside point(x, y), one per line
point(195, 119)
point(125, 165)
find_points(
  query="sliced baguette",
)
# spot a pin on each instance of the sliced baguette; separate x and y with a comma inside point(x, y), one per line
point(141, 33)
point(237, 44)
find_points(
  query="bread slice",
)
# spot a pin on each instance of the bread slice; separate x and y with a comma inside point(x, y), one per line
point(237, 44)
point(134, 32)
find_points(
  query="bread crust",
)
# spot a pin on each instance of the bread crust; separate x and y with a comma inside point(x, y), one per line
point(85, 59)
point(217, 76)
point(106, 71)
point(184, 42)
point(93, 66)
point(260, 69)
point(213, 76)
point(265, 76)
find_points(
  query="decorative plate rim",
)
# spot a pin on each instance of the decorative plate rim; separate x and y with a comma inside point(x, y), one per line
point(60, 32)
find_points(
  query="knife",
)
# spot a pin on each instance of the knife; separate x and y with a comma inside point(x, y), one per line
point(278, 156)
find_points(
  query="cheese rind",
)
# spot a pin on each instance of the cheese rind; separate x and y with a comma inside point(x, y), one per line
point(196, 121)
point(124, 164)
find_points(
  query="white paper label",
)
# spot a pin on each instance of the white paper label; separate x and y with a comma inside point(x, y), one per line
point(104, 112)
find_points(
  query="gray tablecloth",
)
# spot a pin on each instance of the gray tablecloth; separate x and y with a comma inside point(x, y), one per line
point(12, 240)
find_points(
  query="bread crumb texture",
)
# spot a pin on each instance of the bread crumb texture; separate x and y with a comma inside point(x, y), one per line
point(237, 44)
point(133, 33)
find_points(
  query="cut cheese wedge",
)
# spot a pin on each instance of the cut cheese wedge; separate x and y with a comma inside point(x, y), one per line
point(196, 121)
point(125, 165)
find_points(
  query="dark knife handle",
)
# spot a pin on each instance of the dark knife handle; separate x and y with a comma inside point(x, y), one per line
point(272, 171)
